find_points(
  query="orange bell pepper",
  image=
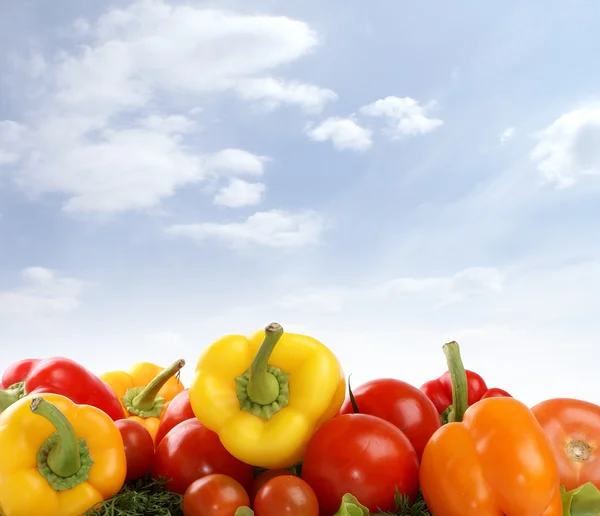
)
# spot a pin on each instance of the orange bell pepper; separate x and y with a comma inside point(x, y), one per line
point(146, 391)
point(573, 427)
point(491, 459)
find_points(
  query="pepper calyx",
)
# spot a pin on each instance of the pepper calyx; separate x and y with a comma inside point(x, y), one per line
point(63, 459)
point(263, 390)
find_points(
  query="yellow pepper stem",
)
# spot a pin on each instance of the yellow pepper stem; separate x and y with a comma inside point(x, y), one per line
point(145, 401)
point(64, 459)
point(263, 390)
point(460, 386)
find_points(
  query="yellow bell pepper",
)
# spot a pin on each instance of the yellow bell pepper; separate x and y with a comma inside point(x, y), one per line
point(145, 391)
point(57, 458)
point(266, 395)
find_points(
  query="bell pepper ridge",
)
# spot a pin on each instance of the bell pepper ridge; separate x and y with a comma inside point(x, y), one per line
point(144, 401)
point(455, 412)
point(263, 390)
point(64, 460)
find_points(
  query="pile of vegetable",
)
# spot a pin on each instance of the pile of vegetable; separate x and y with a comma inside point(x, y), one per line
point(270, 426)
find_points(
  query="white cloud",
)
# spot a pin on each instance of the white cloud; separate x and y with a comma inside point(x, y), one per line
point(568, 149)
point(239, 193)
point(448, 289)
point(43, 292)
point(96, 137)
point(507, 135)
point(436, 291)
point(235, 161)
point(274, 228)
point(272, 93)
point(10, 135)
point(344, 134)
point(404, 116)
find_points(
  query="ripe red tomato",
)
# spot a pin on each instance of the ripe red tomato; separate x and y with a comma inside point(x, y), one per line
point(363, 455)
point(178, 410)
point(191, 451)
point(400, 403)
point(214, 495)
point(286, 495)
point(139, 448)
point(265, 476)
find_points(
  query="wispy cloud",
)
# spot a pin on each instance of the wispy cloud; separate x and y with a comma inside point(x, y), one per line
point(77, 144)
point(274, 228)
point(568, 149)
point(42, 292)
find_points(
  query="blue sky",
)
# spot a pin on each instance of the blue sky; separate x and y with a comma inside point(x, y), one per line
point(385, 177)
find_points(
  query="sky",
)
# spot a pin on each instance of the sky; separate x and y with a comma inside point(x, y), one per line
point(385, 177)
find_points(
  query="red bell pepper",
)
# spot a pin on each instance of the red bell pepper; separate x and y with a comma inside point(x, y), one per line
point(439, 391)
point(58, 375)
point(178, 410)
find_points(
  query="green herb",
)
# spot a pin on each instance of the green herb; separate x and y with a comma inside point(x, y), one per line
point(405, 508)
point(145, 497)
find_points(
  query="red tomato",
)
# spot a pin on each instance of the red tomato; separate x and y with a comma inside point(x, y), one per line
point(403, 405)
point(363, 455)
point(139, 448)
point(214, 495)
point(286, 495)
point(265, 476)
point(191, 451)
point(178, 410)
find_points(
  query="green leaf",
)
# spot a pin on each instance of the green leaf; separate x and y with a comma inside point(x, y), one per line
point(581, 501)
point(351, 507)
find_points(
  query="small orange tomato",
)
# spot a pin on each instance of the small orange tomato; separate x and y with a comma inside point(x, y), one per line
point(573, 428)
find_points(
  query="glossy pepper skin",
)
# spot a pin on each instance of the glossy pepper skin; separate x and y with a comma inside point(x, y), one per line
point(88, 467)
point(573, 427)
point(58, 375)
point(266, 395)
point(439, 391)
point(145, 391)
point(494, 461)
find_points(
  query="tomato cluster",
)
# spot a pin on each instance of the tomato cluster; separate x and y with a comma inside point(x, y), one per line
point(370, 449)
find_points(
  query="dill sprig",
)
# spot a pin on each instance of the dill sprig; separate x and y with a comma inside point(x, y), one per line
point(145, 497)
point(405, 508)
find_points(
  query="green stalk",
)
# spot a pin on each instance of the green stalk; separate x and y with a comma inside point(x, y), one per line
point(263, 389)
point(145, 401)
point(63, 458)
point(460, 386)
point(8, 397)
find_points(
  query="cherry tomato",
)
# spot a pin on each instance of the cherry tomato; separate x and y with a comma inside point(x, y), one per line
point(400, 403)
point(179, 409)
point(191, 451)
point(214, 495)
point(286, 495)
point(139, 448)
point(573, 427)
point(265, 476)
point(363, 455)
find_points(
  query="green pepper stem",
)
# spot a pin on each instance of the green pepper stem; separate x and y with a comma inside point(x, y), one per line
point(7, 398)
point(263, 387)
point(146, 398)
point(64, 458)
point(460, 386)
point(244, 511)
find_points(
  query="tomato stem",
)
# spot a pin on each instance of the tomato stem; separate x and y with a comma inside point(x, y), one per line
point(352, 398)
point(460, 386)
